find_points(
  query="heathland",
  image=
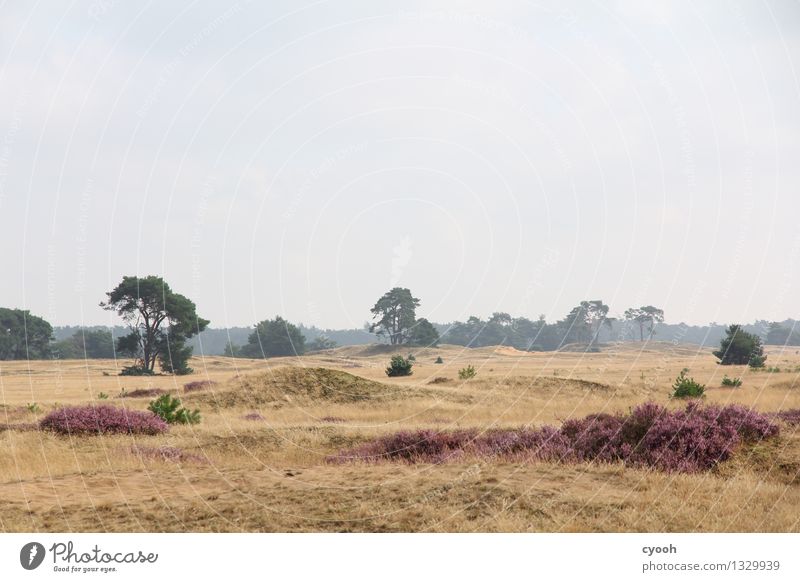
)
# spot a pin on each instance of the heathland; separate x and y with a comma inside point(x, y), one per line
point(260, 459)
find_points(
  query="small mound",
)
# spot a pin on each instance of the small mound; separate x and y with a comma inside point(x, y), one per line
point(284, 386)
point(166, 453)
point(555, 384)
point(363, 351)
point(510, 351)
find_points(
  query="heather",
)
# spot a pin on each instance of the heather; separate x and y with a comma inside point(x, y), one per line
point(198, 385)
point(690, 440)
point(142, 393)
point(103, 419)
point(253, 416)
point(791, 416)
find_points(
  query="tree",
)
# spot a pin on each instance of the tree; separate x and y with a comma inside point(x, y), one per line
point(23, 336)
point(597, 315)
point(576, 326)
point(274, 337)
point(739, 347)
point(777, 334)
point(423, 334)
point(396, 314)
point(160, 322)
point(645, 315)
point(321, 342)
point(653, 315)
point(86, 343)
point(782, 336)
point(635, 315)
point(233, 350)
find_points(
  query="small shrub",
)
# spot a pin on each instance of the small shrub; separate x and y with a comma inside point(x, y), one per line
point(735, 382)
point(169, 409)
point(685, 387)
point(198, 385)
point(33, 408)
point(773, 370)
point(411, 358)
point(439, 360)
point(439, 380)
point(102, 396)
point(332, 419)
point(103, 419)
point(467, 373)
point(399, 366)
point(136, 371)
point(253, 416)
point(757, 362)
point(141, 393)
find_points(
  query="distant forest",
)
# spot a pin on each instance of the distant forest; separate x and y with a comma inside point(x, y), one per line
point(520, 333)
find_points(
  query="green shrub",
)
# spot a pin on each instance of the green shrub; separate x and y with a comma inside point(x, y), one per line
point(467, 373)
point(411, 358)
point(399, 366)
point(33, 407)
point(175, 359)
point(735, 382)
point(169, 409)
point(102, 396)
point(439, 360)
point(739, 347)
point(685, 387)
point(136, 371)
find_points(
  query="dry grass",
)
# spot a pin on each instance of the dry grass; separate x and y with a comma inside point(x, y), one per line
point(270, 475)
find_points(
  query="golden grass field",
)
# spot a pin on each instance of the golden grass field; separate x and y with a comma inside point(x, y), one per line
point(271, 475)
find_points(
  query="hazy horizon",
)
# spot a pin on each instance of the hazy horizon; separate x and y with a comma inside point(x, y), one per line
point(302, 160)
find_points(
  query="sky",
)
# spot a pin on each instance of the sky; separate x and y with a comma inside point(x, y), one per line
point(302, 158)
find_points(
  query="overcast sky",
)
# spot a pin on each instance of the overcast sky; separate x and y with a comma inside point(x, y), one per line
point(303, 158)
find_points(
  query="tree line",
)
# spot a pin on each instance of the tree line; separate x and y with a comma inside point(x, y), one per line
point(161, 323)
point(582, 325)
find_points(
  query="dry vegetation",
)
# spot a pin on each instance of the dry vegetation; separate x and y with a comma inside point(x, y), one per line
point(238, 471)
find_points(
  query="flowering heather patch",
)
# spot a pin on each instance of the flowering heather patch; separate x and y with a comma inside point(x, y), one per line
point(142, 393)
point(689, 440)
point(253, 416)
point(791, 416)
point(166, 453)
point(103, 419)
point(198, 385)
